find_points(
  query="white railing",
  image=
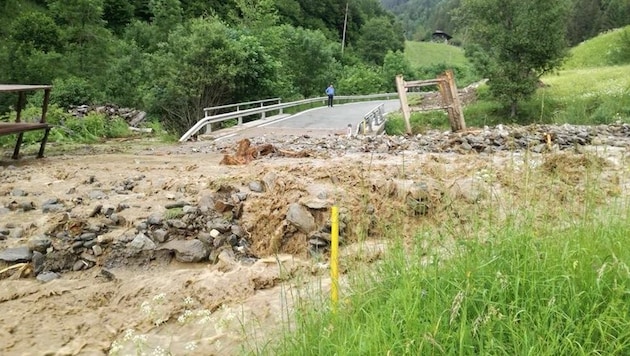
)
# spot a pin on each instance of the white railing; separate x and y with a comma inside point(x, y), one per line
point(372, 121)
point(276, 107)
point(238, 106)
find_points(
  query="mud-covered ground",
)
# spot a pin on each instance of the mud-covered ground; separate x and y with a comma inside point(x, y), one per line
point(118, 300)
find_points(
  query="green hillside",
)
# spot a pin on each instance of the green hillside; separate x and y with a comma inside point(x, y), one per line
point(600, 51)
point(425, 54)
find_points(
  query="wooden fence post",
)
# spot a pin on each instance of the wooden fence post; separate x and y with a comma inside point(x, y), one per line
point(402, 95)
point(458, 123)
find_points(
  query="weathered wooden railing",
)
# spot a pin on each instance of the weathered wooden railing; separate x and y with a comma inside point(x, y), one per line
point(276, 107)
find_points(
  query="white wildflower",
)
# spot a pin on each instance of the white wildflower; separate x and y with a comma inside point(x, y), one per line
point(159, 351)
point(188, 300)
point(129, 334)
point(159, 298)
point(139, 339)
point(115, 348)
point(146, 307)
point(205, 316)
point(191, 346)
point(184, 317)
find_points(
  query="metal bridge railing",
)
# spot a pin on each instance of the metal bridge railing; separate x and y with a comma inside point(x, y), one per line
point(210, 119)
point(372, 121)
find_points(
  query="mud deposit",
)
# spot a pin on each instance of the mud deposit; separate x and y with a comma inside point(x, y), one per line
point(164, 250)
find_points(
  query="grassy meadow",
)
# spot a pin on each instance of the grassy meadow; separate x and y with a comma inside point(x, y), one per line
point(425, 54)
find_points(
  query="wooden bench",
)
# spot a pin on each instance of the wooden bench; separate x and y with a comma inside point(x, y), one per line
point(18, 127)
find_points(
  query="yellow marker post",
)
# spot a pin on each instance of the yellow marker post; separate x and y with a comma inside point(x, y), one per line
point(334, 255)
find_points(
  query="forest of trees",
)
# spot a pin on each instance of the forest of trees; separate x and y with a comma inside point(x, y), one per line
point(587, 18)
point(172, 58)
point(175, 57)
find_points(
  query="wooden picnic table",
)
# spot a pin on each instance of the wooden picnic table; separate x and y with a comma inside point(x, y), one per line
point(18, 126)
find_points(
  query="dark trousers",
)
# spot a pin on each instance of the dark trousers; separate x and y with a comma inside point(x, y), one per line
point(330, 100)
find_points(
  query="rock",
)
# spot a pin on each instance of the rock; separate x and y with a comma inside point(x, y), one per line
point(97, 195)
point(301, 218)
point(226, 257)
point(17, 233)
point(215, 233)
point(39, 244)
point(87, 257)
point(472, 190)
point(27, 206)
point(141, 242)
point(16, 254)
point(179, 204)
point(96, 210)
point(269, 180)
point(53, 208)
point(98, 250)
point(47, 276)
point(189, 209)
point(314, 203)
point(108, 274)
point(238, 230)
point(87, 236)
point(176, 223)
point(206, 238)
point(51, 201)
point(159, 235)
point(318, 191)
point(18, 193)
point(256, 186)
point(188, 251)
point(221, 206)
point(79, 265)
point(38, 261)
point(318, 242)
point(206, 203)
point(155, 219)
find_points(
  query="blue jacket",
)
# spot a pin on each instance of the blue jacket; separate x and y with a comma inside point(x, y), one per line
point(330, 90)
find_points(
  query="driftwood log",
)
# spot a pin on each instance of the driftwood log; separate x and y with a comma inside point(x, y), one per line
point(246, 153)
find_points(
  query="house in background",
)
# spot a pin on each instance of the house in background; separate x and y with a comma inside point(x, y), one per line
point(440, 36)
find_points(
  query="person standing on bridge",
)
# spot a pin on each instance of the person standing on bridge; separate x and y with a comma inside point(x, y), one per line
point(330, 91)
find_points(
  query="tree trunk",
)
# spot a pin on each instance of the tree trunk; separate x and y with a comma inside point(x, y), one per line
point(513, 108)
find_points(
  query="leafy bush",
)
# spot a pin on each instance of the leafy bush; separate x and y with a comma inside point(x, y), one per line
point(73, 91)
point(360, 80)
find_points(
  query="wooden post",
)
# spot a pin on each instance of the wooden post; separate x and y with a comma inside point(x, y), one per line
point(447, 99)
point(334, 256)
point(45, 105)
point(404, 106)
point(458, 113)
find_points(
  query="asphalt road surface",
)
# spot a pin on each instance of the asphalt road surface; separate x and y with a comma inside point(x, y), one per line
point(317, 121)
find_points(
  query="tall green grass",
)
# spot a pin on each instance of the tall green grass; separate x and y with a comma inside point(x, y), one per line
point(527, 274)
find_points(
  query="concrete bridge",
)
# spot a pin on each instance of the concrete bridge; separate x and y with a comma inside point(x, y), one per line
point(364, 114)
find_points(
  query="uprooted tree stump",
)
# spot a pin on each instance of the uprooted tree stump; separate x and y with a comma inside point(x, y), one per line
point(246, 153)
